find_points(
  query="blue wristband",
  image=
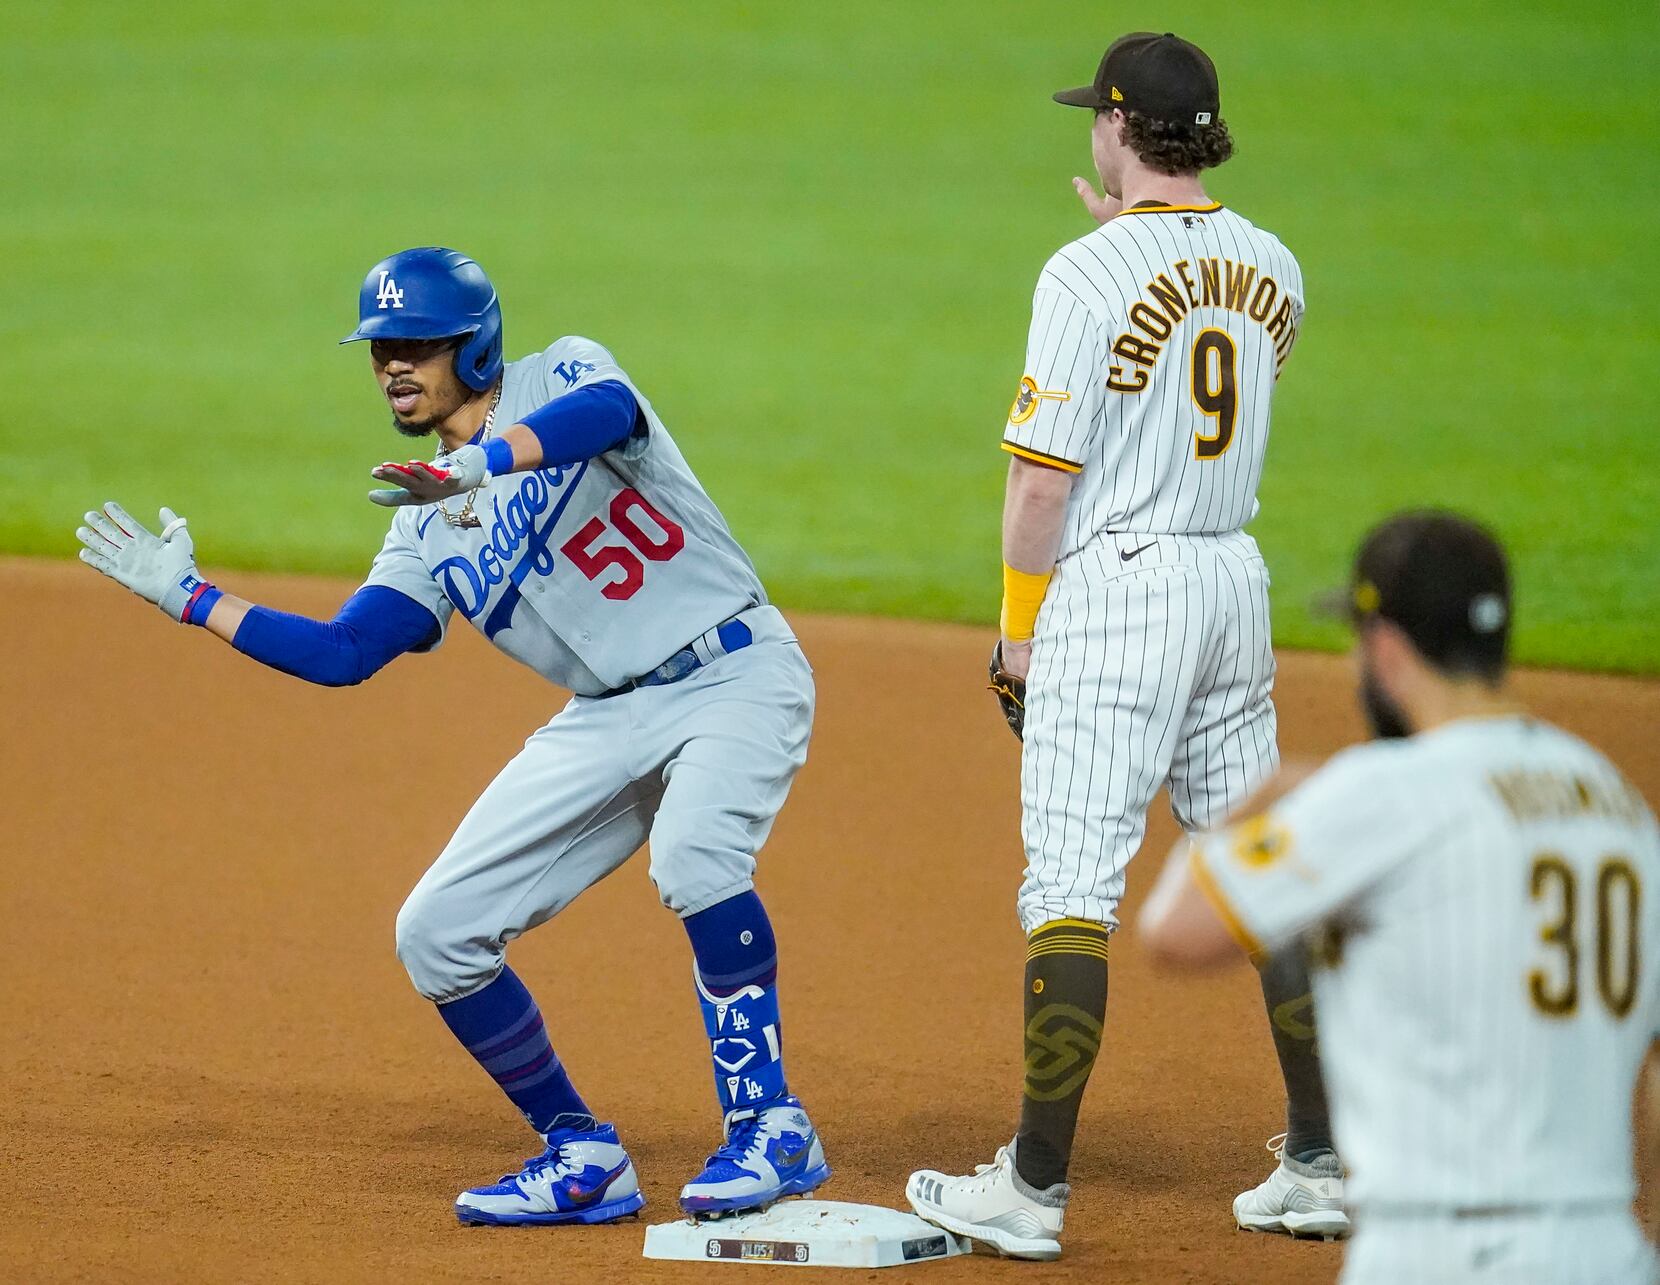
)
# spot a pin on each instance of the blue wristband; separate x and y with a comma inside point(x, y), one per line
point(498, 456)
point(201, 604)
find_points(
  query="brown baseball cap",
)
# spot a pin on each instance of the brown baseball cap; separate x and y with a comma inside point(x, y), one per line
point(1164, 78)
point(1441, 578)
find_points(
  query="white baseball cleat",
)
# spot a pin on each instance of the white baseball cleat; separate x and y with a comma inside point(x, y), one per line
point(584, 1176)
point(1299, 1198)
point(995, 1205)
point(766, 1155)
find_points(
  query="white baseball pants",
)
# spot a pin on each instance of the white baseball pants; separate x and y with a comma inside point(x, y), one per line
point(1146, 670)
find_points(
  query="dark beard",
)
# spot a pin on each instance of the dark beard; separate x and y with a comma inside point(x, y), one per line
point(422, 429)
point(1387, 720)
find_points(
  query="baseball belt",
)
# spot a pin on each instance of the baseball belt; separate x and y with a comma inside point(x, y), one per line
point(724, 639)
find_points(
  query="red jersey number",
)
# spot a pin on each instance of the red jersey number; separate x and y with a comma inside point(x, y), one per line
point(659, 544)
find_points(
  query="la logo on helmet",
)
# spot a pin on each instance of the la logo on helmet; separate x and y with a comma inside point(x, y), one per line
point(389, 295)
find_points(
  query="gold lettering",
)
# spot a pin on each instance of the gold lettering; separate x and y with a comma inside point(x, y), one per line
point(1535, 796)
point(1510, 791)
point(1135, 348)
point(1240, 276)
point(1171, 296)
point(1210, 277)
point(1262, 302)
point(1281, 323)
point(1187, 281)
point(1163, 293)
point(1154, 323)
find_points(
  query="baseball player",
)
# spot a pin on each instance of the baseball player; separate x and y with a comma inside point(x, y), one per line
point(1134, 647)
point(1478, 890)
point(560, 520)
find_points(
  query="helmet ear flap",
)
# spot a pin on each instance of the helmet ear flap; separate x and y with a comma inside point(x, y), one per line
point(478, 362)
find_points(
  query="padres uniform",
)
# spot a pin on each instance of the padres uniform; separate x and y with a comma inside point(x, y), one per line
point(1155, 344)
point(1482, 898)
point(591, 574)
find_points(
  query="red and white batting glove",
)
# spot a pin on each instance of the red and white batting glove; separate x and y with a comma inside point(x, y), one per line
point(418, 482)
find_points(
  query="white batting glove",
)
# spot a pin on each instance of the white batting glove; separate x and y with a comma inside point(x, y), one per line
point(160, 569)
point(421, 483)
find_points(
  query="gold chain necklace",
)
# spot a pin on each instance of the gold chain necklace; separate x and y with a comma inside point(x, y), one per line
point(465, 518)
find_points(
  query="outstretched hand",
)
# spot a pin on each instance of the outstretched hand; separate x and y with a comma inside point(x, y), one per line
point(418, 482)
point(160, 569)
point(1100, 206)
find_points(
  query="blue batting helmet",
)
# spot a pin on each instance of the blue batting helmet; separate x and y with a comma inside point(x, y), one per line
point(434, 294)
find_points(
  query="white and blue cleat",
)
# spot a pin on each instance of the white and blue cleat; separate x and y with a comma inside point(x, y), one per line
point(768, 1154)
point(584, 1176)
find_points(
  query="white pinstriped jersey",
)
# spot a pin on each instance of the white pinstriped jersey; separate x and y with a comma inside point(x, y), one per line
point(1155, 344)
point(1484, 904)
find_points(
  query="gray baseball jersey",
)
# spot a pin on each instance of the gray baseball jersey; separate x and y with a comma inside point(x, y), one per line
point(594, 574)
point(590, 574)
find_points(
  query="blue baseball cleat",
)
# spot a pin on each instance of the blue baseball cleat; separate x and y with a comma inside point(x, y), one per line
point(584, 1176)
point(768, 1154)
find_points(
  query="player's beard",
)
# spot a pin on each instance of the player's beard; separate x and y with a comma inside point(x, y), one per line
point(421, 428)
point(1386, 717)
point(426, 427)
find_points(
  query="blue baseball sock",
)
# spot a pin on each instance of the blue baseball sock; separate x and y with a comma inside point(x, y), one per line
point(733, 944)
point(737, 987)
point(502, 1028)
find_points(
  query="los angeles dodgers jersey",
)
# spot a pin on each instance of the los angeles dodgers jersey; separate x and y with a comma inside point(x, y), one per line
point(592, 573)
point(1155, 344)
point(1483, 906)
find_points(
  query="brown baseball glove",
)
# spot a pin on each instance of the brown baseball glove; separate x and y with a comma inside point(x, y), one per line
point(1011, 693)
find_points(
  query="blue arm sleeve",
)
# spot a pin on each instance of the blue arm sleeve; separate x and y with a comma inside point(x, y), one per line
point(375, 626)
point(580, 425)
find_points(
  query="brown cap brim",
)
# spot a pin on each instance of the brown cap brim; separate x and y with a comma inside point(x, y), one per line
point(1334, 604)
point(1083, 96)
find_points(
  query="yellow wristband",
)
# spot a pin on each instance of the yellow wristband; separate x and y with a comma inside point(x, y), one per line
point(1022, 596)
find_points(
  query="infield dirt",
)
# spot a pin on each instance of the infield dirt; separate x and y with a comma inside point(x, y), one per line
point(216, 1070)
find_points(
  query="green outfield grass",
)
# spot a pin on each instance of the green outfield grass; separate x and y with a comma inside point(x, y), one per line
point(810, 232)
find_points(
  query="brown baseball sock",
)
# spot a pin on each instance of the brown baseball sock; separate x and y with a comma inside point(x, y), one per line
point(1285, 990)
point(1066, 1004)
